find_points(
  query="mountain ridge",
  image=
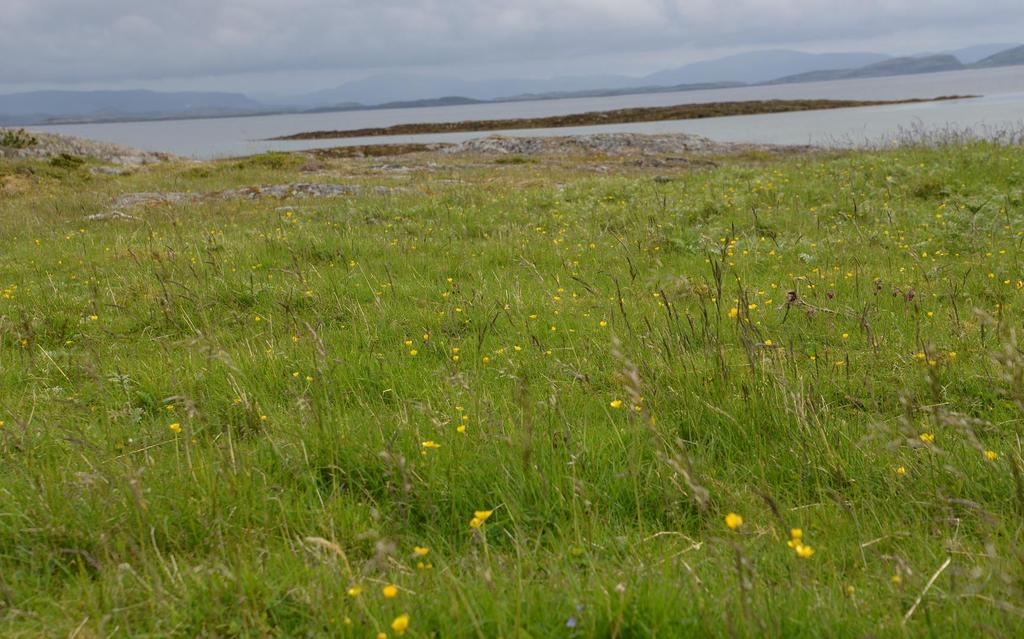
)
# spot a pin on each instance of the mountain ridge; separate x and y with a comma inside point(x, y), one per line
point(907, 65)
point(392, 91)
point(1009, 57)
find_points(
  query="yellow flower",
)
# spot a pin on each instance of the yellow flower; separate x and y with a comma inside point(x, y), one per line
point(796, 537)
point(420, 551)
point(895, 579)
point(927, 438)
point(389, 591)
point(901, 471)
point(175, 428)
point(733, 312)
point(479, 517)
point(430, 444)
point(413, 352)
point(616, 403)
point(803, 551)
point(768, 342)
point(733, 521)
point(354, 591)
point(382, 635)
point(991, 455)
point(602, 323)
point(400, 623)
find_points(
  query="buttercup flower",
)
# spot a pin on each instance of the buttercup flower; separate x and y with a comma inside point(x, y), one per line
point(400, 623)
point(479, 517)
point(803, 551)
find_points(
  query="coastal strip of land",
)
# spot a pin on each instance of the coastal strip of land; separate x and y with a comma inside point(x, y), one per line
point(618, 116)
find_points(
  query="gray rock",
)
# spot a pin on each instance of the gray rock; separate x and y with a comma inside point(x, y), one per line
point(109, 215)
point(49, 145)
point(600, 143)
point(110, 170)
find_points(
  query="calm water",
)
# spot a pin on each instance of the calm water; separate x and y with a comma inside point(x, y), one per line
point(1001, 105)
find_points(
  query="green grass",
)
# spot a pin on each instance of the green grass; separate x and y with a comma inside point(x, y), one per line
point(536, 297)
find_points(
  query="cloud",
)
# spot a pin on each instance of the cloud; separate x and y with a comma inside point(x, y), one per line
point(58, 41)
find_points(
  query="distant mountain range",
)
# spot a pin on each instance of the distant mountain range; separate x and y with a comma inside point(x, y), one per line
point(970, 55)
point(407, 90)
point(42, 106)
point(909, 65)
point(402, 87)
point(1007, 58)
point(892, 66)
point(760, 66)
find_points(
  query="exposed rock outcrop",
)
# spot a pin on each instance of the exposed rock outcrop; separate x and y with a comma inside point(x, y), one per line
point(48, 145)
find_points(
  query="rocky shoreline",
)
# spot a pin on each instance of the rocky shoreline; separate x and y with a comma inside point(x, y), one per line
point(40, 145)
point(612, 144)
point(49, 145)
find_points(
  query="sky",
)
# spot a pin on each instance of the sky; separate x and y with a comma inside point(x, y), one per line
point(281, 46)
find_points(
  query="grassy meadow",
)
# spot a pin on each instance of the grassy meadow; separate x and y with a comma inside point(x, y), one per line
point(535, 397)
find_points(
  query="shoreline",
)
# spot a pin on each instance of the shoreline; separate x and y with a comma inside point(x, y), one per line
point(618, 116)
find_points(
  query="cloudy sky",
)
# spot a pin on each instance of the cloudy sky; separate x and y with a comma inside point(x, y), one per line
point(299, 45)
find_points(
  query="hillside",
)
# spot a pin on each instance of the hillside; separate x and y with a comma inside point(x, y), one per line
point(407, 87)
point(745, 68)
point(670, 390)
point(895, 66)
point(759, 66)
point(39, 106)
point(1010, 57)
